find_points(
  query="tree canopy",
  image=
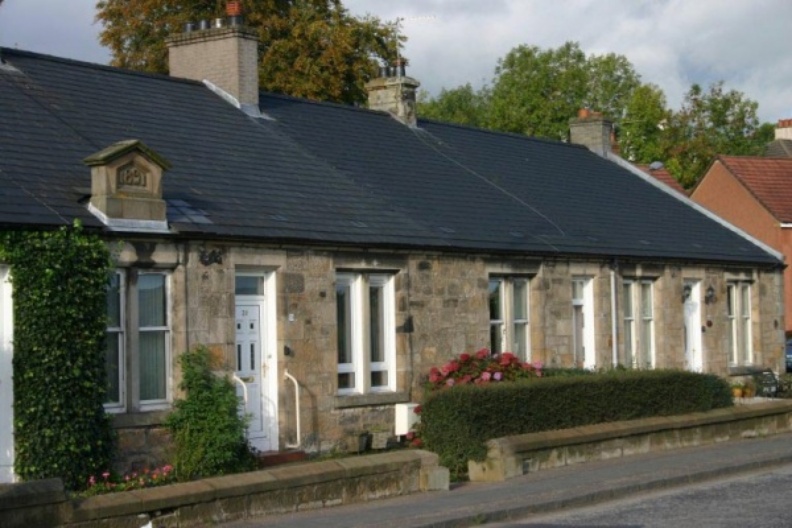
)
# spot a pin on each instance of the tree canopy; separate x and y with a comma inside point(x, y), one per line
point(536, 92)
point(308, 48)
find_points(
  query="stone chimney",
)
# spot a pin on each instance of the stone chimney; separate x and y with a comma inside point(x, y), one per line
point(592, 130)
point(126, 187)
point(784, 129)
point(395, 93)
point(221, 51)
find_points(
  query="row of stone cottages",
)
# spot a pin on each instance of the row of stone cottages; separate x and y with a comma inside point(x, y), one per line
point(349, 250)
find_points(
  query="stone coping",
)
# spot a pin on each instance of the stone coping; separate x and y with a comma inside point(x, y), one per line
point(506, 456)
point(292, 484)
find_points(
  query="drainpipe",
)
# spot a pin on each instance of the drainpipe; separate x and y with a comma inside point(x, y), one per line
point(614, 322)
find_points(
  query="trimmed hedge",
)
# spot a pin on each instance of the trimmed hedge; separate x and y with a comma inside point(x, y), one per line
point(457, 422)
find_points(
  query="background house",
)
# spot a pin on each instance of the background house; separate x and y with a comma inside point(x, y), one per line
point(755, 194)
point(353, 249)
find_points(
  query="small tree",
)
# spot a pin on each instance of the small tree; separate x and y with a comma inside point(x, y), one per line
point(208, 432)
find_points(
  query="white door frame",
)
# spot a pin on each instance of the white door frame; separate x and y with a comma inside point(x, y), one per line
point(694, 354)
point(6, 381)
point(268, 358)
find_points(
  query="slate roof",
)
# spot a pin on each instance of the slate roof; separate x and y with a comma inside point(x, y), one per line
point(779, 148)
point(331, 174)
point(768, 179)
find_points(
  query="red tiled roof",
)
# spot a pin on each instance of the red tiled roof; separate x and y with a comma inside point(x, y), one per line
point(769, 179)
point(664, 176)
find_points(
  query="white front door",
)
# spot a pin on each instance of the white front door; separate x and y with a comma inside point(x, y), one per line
point(694, 359)
point(6, 383)
point(251, 369)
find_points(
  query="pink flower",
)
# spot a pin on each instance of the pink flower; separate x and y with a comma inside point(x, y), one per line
point(537, 365)
point(106, 474)
point(450, 382)
point(92, 480)
point(497, 376)
point(485, 376)
point(410, 435)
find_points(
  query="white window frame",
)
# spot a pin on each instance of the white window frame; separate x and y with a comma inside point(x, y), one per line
point(639, 325)
point(128, 333)
point(738, 294)
point(361, 365)
point(508, 323)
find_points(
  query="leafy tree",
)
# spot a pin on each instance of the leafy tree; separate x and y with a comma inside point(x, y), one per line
point(308, 48)
point(641, 130)
point(461, 105)
point(709, 123)
point(536, 91)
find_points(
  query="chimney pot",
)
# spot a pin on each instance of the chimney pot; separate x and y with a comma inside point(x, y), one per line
point(234, 8)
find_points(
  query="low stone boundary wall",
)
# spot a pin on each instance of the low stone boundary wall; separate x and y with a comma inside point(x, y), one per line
point(283, 489)
point(512, 456)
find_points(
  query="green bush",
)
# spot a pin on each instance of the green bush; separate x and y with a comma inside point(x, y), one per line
point(456, 422)
point(208, 432)
point(59, 290)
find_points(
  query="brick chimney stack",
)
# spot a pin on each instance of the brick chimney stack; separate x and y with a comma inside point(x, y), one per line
point(395, 93)
point(592, 130)
point(221, 51)
point(784, 129)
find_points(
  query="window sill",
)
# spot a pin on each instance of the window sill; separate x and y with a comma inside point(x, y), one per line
point(374, 398)
point(138, 419)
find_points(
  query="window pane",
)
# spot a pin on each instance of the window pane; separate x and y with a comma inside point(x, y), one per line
point(346, 380)
point(520, 300)
point(730, 301)
point(577, 323)
point(628, 340)
point(495, 308)
point(376, 322)
point(628, 300)
point(519, 346)
point(577, 290)
point(152, 300)
point(114, 301)
point(113, 368)
point(745, 291)
point(344, 324)
point(646, 343)
point(248, 285)
point(646, 299)
point(379, 378)
point(496, 338)
point(152, 365)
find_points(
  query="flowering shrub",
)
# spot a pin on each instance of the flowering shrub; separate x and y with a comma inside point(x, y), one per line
point(137, 480)
point(482, 367)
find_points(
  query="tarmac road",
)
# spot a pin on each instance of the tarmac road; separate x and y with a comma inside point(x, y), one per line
point(760, 499)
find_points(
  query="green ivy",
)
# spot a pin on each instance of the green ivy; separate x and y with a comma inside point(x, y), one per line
point(59, 290)
point(208, 431)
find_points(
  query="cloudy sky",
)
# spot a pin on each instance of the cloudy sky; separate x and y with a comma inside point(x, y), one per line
point(672, 43)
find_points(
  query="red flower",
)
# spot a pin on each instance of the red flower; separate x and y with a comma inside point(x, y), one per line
point(464, 358)
point(483, 353)
point(417, 409)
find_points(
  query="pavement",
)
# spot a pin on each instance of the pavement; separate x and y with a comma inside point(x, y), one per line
point(472, 504)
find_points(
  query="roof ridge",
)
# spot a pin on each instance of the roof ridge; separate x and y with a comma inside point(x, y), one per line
point(516, 135)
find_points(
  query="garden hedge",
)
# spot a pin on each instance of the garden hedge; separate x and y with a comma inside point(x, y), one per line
point(456, 422)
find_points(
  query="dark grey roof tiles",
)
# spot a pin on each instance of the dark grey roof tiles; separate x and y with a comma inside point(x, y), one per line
point(329, 173)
